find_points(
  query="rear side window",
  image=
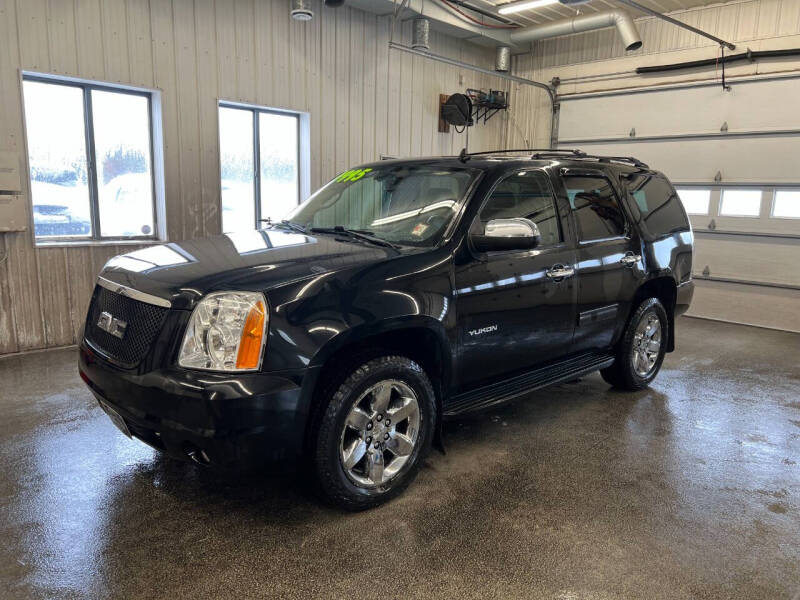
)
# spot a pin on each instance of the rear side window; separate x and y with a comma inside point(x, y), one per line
point(525, 195)
point(658, 204)
point(595, 206)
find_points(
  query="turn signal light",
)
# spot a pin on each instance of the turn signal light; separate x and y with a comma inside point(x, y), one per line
point(252, 334)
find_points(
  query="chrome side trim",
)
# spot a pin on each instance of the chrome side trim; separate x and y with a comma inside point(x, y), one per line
point(124, 290)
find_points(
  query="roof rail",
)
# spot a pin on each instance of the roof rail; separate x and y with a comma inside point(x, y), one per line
point(548, 152)
point(609, 159)
point(573, 151)
point(624, 159)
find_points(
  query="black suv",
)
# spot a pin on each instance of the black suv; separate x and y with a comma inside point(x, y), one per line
point(402, 293)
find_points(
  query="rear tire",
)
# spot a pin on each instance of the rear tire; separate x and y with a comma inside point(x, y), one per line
point(359, 460)
point(641, 350)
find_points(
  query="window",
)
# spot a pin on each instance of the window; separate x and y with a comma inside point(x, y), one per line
point(525, 195)
point(786, 204)
point(740, 203)
point(259, 165)
point(90, 153)
point(595, 206)
point(404, 204)
point(695, 201)
point(658, 205)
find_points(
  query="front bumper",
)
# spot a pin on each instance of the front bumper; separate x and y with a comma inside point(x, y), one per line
point(226, 420)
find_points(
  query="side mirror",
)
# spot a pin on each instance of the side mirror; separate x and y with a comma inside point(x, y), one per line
point(507, 234)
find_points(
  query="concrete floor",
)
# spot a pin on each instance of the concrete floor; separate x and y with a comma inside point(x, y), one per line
point(688, 490)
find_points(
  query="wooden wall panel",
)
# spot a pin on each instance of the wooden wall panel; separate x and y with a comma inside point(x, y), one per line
point(363, 99)
point(140, 46)
point(89, 39)
point(188, 117)
point(206, 77)
point(21, 264)
point(8, 333)
point(115, 40)
point(61, 35)
point(165, 78)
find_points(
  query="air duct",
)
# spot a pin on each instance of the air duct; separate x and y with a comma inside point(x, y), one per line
point(618, 18)
point(301, 10)
point(502, 59)
point(420, 34)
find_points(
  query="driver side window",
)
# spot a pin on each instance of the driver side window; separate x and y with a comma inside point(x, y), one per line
point(525, 195)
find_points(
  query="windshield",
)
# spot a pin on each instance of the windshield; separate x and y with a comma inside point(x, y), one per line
point(403, 204)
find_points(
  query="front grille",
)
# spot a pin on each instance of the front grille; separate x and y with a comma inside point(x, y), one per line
point(144, 322)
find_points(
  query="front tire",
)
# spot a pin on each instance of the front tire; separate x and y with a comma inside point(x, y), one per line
point(374, 433)
point(642, 348)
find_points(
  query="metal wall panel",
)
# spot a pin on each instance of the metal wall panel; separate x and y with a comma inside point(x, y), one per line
point(740, 21)
point(594, 63)
point(364, 101)
point(739, 160)
point(752, 106)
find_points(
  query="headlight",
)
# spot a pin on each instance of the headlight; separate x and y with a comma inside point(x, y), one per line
point(227, 332)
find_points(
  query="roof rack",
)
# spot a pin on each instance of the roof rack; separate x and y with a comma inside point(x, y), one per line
point(532, 151)
point(537, 153)
point(624, 159)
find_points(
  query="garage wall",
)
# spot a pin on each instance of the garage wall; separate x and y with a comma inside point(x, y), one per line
point(363, 102)
point(598, 111)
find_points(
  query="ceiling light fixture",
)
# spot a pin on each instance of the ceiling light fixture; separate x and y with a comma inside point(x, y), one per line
point(515, 7)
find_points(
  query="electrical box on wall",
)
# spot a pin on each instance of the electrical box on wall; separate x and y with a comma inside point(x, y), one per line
point(9, 172)
point(13, 216)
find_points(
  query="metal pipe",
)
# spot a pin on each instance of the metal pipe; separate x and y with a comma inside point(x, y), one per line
point(660, 87)
point(420, 35)
point(664, 17)
point(435, 12)
point(502, 60)
point(463, 65)
point(617, 18)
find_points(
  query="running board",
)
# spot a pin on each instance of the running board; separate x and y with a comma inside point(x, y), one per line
point(504, 391)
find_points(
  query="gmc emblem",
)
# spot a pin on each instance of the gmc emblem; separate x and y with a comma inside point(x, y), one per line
point(109, 324)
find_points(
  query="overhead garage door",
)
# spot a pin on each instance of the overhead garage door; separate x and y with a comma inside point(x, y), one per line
point(747, 267)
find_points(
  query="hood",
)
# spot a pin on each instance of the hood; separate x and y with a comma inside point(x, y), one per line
point(252, 260)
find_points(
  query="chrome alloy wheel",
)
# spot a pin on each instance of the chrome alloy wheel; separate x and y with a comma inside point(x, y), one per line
point(646, 345)
point(380, 433)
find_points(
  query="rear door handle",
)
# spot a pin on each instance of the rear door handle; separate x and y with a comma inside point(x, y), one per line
point(630, 259)
point(559, 272)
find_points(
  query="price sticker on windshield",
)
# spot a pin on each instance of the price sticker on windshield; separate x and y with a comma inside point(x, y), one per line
point(352, 175)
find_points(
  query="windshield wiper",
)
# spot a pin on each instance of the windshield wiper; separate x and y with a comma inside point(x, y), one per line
point(359, 234)
point(289, 225)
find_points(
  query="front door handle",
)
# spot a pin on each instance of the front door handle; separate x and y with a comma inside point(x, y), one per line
point(630, 259)
point(559, 272)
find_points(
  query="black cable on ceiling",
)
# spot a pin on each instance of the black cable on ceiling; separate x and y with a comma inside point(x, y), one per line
point(710, 62)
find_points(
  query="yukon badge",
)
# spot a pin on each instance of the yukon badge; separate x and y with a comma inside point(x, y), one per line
point(109, 324)
point(482, 330)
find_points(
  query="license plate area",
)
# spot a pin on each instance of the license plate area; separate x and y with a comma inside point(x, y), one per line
point(116, 419)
